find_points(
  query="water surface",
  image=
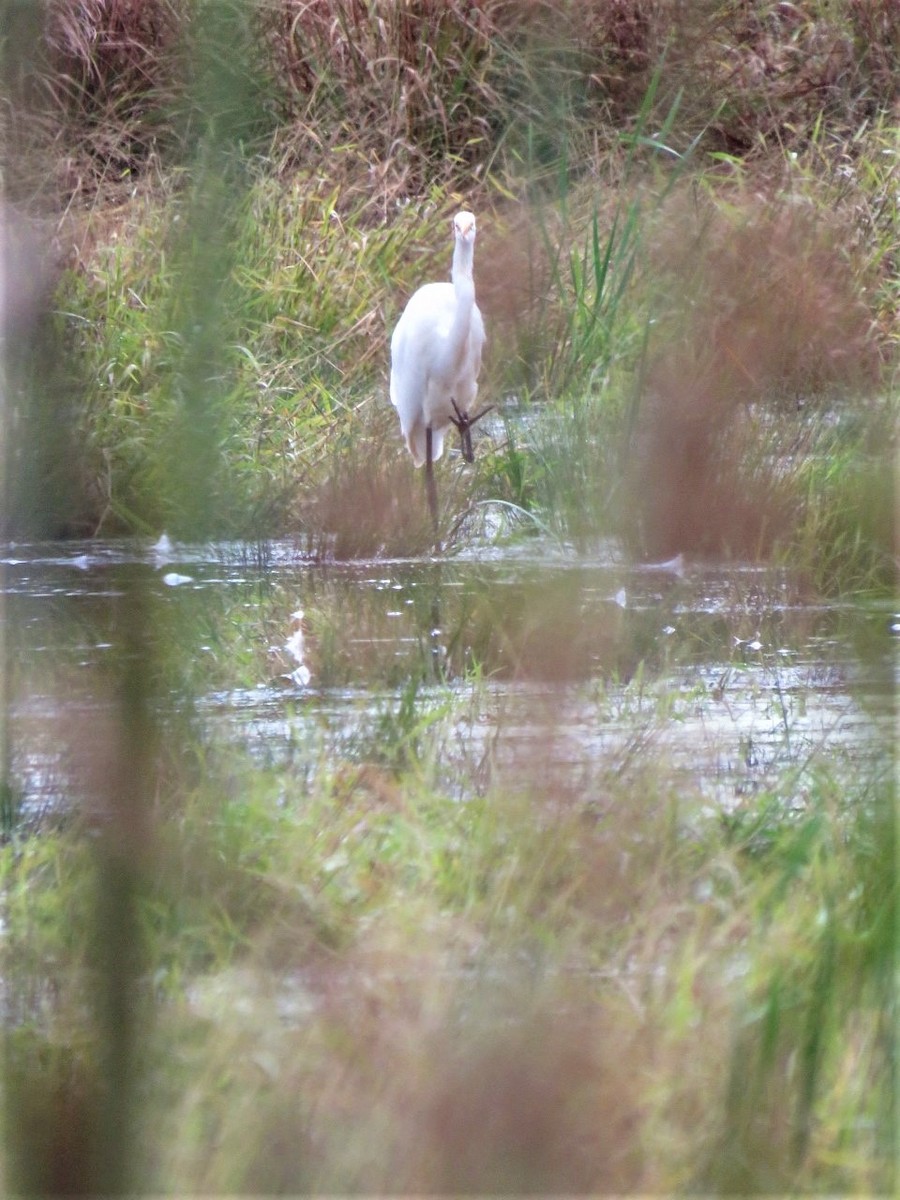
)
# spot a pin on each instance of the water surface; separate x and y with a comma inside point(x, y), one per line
point(539, 667)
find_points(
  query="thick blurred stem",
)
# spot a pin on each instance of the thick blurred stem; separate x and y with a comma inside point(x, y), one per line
point(121, 859)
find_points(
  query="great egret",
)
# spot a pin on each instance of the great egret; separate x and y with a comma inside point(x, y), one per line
point(435, 360)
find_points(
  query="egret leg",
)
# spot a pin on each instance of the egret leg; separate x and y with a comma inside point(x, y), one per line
point(431, 486)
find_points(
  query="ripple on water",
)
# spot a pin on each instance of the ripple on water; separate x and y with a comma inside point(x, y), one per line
point(562, 668)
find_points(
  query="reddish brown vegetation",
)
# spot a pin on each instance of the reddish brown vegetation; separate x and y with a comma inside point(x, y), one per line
point(769, 308)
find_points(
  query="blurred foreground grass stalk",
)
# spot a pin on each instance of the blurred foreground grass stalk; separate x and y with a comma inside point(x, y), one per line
point(373, 986)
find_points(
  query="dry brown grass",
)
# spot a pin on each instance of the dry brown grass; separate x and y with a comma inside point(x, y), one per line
point(393, 99)
point(91, 104)
point(371, 500)
point(545, 1104)
point(770, 70)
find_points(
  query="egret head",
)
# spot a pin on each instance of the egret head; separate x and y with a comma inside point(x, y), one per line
point(464, 226)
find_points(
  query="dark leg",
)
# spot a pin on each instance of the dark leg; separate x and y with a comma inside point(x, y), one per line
point(431, 487)
point(464, 423)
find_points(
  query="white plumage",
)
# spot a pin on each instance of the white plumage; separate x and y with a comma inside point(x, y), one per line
point(435, 359)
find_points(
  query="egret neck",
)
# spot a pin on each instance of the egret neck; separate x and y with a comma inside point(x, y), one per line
point(464, 288)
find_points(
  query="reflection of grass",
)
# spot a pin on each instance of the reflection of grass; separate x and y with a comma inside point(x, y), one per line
point(372, 984)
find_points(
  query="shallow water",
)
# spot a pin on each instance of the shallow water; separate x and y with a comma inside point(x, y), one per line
point(547, 670)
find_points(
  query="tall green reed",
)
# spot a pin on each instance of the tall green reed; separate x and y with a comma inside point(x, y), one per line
point(586, 329)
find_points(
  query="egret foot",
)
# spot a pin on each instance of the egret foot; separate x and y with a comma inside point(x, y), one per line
point(464, 423)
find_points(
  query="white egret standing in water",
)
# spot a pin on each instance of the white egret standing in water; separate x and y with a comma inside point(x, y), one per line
point(435, 360)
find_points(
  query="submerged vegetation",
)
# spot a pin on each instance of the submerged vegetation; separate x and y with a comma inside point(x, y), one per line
point(387, 964)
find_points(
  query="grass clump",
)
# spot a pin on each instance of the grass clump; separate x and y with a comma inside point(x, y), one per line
point(659, 997)
point(227, 389)
point(437, 94)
